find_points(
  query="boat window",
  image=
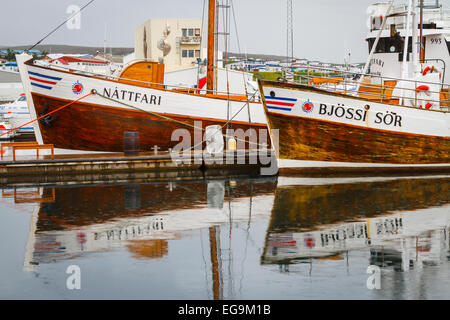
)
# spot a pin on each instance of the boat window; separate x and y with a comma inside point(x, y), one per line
point(390, 45)
point(448, 45)
point(22, 98)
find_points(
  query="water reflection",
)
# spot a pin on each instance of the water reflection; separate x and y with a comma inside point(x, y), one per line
point(262, 224)
point(389, 218)
point(70, 221)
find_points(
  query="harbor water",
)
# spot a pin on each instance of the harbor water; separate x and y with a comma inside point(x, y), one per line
point(228, 238)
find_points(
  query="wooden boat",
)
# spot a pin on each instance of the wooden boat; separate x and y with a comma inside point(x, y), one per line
point(388, 124)
point(136, 101)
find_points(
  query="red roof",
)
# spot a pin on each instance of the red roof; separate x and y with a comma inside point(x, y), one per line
point(68, 59)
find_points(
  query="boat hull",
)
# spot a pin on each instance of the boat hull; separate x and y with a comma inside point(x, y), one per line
point(313, 138)
point(92, 127)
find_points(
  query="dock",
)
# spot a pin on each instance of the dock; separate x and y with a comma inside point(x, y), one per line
point(94, 166)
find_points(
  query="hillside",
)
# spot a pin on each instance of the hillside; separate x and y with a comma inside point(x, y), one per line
point(58, 48)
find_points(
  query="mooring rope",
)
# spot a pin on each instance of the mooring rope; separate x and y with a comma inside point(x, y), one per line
point(181, 122)
point(60, 108)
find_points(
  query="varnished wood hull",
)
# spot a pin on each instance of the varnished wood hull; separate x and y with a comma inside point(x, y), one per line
point(90, 127)
point(305, 141)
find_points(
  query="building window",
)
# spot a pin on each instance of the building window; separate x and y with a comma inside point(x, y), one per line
point(197, 32)
point(191, 32)
point(184, 53)
point(197, 53)
point(191, 53)
point(184, 32)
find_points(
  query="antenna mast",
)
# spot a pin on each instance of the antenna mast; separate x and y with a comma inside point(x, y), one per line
point(289, 33)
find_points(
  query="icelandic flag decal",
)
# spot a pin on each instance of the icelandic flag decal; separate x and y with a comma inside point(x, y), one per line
point(43, 81)
point(279, 103)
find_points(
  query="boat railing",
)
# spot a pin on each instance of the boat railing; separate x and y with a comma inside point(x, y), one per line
point(252, 97)
point(378, 88)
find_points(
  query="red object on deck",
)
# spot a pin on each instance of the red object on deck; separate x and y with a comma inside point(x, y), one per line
point(425, 71)
point(422, 88)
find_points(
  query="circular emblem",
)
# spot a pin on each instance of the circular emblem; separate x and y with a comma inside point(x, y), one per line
point(77, 88)
point(307, 106)
point(309, 241)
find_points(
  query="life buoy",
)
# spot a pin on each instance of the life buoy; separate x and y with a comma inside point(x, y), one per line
point(423, 88)
point(431, 70)
point(425, 71)
point(427, 106)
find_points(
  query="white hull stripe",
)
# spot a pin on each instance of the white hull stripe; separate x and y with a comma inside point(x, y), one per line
point(288, 163)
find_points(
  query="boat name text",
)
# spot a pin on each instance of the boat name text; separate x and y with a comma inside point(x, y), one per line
point(377, 61)
point(389, 118)
point(132, 96)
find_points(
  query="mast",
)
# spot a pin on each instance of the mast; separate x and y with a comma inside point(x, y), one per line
point(211, 46)
point(414, 39)
point(422, 47)
point(405, 69)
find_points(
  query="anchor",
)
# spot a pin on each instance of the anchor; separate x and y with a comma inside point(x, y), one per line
point(48, 120)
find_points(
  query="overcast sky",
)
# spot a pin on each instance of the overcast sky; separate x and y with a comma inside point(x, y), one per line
point(325, 30)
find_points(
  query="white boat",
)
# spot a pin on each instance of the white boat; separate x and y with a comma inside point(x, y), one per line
point(17, 114)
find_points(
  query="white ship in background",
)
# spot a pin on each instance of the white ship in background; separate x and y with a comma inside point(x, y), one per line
point(10, 83)
point(387, 59)
point(16, 114)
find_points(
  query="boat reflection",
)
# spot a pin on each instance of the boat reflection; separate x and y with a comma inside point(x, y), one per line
point(394, 219)
point(70, 221)
point(253, 226)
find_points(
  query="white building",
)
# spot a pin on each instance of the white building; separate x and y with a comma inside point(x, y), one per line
point(177, 42)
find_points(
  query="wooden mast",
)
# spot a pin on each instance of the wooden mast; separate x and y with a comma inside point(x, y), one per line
point(211, 46)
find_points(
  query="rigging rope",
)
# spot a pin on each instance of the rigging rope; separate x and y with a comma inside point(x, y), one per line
point(54, 30)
